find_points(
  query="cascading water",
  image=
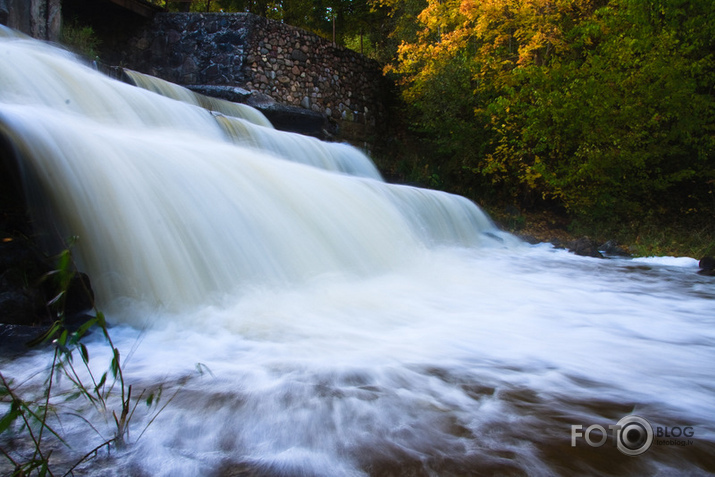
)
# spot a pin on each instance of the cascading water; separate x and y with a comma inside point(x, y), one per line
point(185, 95)
point(352, 327)
point(242, 124)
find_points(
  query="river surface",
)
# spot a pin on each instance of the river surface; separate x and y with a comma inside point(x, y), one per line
point(466, 362)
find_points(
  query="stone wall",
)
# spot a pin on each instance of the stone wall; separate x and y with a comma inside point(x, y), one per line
point(288, 64)
point(37, 18)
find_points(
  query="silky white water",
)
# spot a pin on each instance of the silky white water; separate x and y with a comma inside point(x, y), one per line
point(246, 126)
point(343, 326)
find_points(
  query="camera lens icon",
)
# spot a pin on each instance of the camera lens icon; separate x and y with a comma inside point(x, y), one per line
point(634, 435)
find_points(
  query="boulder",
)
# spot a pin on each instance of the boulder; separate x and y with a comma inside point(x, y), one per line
point(707, 266)
point(613, 249)
point(19, 306)
point(80, 296)
point(529, 238)
point(283, 117)
point(298, 120)
point(229, 93)
point(14, 339)
point(26, 288)
point(584, 246)
point(22, 298)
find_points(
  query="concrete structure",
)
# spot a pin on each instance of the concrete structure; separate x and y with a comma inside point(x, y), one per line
point(211, 51)
point(288, 64)
point(38, 18)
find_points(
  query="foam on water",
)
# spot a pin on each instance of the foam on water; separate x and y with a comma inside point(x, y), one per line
point(458, 361)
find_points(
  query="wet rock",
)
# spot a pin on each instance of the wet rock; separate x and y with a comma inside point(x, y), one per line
point(529, 238)
point(18, 339)
point(26, 288)
point(229, 93)
point(296, 119)
point(25, 314)
point(14, 339)
point(22, 299)
point(4, 13)
point(613, 249)
point(707, 266)
point(19, 307)
point(557, 243)
point(585, 247)
point(80, 296)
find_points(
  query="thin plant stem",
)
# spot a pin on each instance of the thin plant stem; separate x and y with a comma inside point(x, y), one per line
point(47, 402)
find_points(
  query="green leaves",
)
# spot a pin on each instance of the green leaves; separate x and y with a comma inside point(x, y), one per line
point(47, 335)
point(10, 417)
point(31, 412)
point(603, 111)
point(114, 366)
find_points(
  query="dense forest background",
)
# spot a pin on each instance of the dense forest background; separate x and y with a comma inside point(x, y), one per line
point(601, 112)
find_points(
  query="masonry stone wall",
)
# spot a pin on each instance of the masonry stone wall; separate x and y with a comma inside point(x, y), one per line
point(290, 65)
point(37, 18)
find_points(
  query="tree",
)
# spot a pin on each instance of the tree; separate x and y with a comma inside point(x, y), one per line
point(348, 18)
point(602, 107)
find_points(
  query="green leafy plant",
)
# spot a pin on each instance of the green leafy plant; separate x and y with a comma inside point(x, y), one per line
point(29, 418)
point(80, 38)
point(601, 109)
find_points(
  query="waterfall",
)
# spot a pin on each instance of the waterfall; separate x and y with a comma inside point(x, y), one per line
point(180, 93)
point(343, 326)
point(176, 199)
point(248, 127)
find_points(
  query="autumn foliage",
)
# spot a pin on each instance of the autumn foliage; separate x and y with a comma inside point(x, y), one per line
point(603, 108)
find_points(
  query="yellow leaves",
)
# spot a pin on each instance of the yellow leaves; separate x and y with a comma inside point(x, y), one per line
point(490, 38)
point(467, 7)
point(442, 16)
point(531, 177)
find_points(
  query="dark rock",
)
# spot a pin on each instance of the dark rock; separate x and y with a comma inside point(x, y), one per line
point(22, 298)
point(229, 93)
point(14, 338)
point(707, 263)
point(4, 13)
point(19, 307)
point(707, 266)
point(584, 246)
point(494, 236)
point(212, 72)
point(226, 47)
point(233, 38)
point(80, 296)
point(25, 288)
point(613, 249)
point(173, 36)
point(296, 119)
point(283, 117)
point(529, 239)
point(298, 55)
point(175, 59)
point(212, 27)
point(18, 339)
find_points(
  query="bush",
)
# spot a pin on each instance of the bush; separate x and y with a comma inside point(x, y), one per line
point(80, 39)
